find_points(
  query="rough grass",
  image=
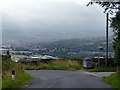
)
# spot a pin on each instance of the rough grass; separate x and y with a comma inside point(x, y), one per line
point(0, 81)
point(20, 79)
point(103, 69)
point(8, 65)
point(0, 71)
point(113, 80)
point(56, 65)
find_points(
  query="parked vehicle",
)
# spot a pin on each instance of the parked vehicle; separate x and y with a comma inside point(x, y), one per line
point(87, 63)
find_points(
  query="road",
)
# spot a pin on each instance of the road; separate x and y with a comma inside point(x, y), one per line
point(64, 79)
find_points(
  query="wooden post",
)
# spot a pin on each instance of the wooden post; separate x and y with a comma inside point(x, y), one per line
point(106, 59)
point(13, 74)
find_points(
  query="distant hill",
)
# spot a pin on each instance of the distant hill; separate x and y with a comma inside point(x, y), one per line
point(80, 44)
point(75, 47)
point(66, 48)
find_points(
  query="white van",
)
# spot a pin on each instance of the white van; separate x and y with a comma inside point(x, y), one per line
point(87, 63)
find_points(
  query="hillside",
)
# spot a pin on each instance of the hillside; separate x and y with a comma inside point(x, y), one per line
point(69, 48)
point(74, 47)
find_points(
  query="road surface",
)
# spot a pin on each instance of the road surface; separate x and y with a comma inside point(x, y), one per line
point(64, 79)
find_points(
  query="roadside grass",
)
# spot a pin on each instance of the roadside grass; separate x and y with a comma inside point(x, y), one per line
point(103, 69)
point(0, 80)
point(21, 77)
point(8, 65)
point(70, 65)
point(20, 80)
point(0, 71)
point(113, 80)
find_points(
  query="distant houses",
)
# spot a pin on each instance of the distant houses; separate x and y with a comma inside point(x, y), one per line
point(23, 58)
point(3, 51)
point(21, 52)
point(18, 58)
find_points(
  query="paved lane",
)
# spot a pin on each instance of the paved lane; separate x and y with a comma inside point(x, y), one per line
point(64, 79)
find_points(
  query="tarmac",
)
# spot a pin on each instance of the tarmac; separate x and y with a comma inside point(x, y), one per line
point(67, 79)
point(100, 74)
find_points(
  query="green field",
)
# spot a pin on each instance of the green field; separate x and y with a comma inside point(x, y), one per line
point(19, 56)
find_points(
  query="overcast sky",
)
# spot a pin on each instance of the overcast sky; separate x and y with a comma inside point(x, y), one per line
point(51, 19)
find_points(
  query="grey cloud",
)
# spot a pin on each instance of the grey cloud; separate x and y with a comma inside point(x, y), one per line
point(55, 20)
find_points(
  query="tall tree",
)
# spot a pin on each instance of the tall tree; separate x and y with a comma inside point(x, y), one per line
point(113, 7)
point(115, 24)
point(107, 5)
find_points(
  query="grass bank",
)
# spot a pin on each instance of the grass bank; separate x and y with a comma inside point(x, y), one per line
point(0, 81)
point(21, 77)
point(70, 65)
point(103, 69)
point(113, 80)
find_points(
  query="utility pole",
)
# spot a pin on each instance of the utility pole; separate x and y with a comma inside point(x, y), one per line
point(107, 19)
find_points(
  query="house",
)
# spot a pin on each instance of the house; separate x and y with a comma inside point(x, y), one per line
point(18, 58)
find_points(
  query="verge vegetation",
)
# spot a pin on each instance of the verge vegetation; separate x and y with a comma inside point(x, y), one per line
point(113, 80)
point(21, 77)
point(70, 65)
point(0, 72)
point(103, 69)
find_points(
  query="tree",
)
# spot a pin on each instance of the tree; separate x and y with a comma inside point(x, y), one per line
point(115, 24)
point(7, 52)
point(108, 6)
point(113, 7)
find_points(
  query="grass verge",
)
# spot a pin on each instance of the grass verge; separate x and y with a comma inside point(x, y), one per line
point(103, 69)
point(0, 72)
point(113, 80)
point(0, 81)
point(20, 79)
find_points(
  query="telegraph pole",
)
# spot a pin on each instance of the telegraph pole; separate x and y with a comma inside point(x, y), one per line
point(107, 19)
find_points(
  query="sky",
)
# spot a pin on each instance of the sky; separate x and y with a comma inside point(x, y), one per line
point(0, 26)
point(47, 20)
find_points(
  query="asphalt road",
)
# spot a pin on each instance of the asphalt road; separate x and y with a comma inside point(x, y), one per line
point(64, 79)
